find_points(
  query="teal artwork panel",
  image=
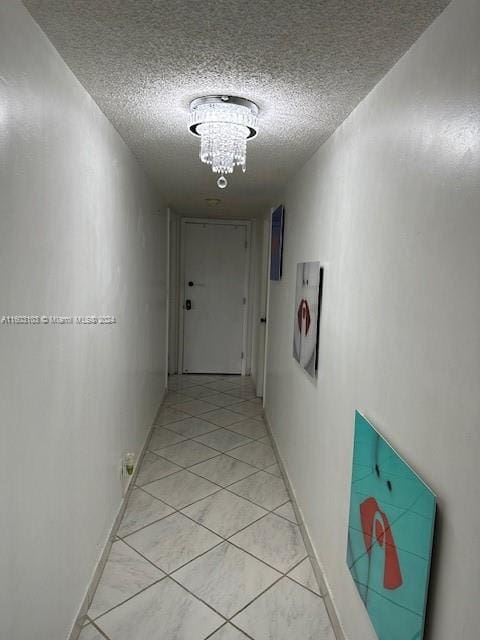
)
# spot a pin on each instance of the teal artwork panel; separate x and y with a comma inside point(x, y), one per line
point(390, 536)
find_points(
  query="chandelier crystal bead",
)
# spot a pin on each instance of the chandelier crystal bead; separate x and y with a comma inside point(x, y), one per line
point(224, 124)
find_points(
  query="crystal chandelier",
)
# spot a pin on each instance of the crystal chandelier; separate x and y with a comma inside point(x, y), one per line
point(224, 124)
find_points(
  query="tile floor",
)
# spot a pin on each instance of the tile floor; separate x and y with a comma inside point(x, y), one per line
point(209, 546)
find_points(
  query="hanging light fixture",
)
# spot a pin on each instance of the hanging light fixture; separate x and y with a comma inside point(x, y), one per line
point(224, 124)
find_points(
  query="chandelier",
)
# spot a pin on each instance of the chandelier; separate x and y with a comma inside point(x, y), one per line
point(224, 124)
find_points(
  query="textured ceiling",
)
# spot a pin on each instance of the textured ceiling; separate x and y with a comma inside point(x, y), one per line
point(306, 63)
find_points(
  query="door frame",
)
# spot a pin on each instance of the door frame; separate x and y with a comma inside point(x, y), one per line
point(167, 292)
point(246, 283)
point(264, 277)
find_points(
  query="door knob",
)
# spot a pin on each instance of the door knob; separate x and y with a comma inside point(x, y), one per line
point(190, 284)
point(263, 320)
point(188, 305)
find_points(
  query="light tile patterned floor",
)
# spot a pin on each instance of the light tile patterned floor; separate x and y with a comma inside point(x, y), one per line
point(209, 546)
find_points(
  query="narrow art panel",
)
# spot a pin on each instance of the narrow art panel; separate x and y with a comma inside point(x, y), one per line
point(390, 535)
point(308, 297)
point(276, 251)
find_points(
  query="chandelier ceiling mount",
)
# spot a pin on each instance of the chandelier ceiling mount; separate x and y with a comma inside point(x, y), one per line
point(224, 124)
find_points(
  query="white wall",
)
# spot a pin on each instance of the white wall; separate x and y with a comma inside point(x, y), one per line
point(391, 206)
point(79, 234)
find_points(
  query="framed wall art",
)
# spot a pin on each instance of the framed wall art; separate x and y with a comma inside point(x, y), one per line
point(390, 536)
point(306, 322)
point(276, 251)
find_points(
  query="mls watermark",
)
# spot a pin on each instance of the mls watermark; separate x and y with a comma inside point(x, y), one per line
point(57, 320)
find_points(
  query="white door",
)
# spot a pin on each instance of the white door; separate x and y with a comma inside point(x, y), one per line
point(214, 296)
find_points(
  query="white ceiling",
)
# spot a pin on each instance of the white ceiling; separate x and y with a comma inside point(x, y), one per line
point(306, 63)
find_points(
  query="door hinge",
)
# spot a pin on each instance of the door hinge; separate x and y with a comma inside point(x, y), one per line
point(246, 245)
point(242, 355)
point(244, 301)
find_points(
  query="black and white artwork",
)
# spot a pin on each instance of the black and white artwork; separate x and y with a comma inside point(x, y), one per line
point(308, 297)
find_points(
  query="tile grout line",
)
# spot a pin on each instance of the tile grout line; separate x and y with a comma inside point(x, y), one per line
point(229, 427)
point(222, 538)
point(217, 451)
point(283, 574)
point(226, 488)
point(119, 604)
point(317, 568)
point(176, 509)
point(196, 415)
point(92, 623)
point(77, 626)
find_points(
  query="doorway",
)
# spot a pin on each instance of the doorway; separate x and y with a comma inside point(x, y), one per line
point(214, 285)
point(263, 310)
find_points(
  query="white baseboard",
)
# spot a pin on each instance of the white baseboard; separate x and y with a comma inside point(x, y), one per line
point(316, 564)
point(84, 607)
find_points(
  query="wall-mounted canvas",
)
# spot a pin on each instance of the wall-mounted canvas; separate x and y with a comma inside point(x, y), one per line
point(390, 535)
point(306, 322)
point(276, 252)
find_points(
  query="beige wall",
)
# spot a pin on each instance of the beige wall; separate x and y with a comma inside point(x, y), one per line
point(79, 234)
point(391, 206)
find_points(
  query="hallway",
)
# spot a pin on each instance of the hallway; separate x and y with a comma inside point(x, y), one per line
point(209, 534)
point(239, 246)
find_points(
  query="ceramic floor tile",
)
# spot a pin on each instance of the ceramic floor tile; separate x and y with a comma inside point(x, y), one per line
point(92, 633)
point(226, 578)
point(223, 440)
point(248, 409)
point(249, 428)
point(154, 468)
point(284, 612)
point(187, 453)
point(142, 509)
point(181, 489)
point(222, 417)
point(223, 470)
point(175, 397)
point(125, 574)
point(192, 427)
point(166, 415)
point(273, 540)
point(200, 392)
point(274, 470)
point(221, 385)
point(221, 399)
point(195, 407)
point(180, 385)
point(165, 611)
point(224, 513)
point(172, 542)
point(227, 632)
point(255, 453)
point(162, 438)
point(198, 378)
point(262, 488)
point(286, 511)
point(244, 383)
point(237, 379)
point(303, 574)
point(241, 394)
